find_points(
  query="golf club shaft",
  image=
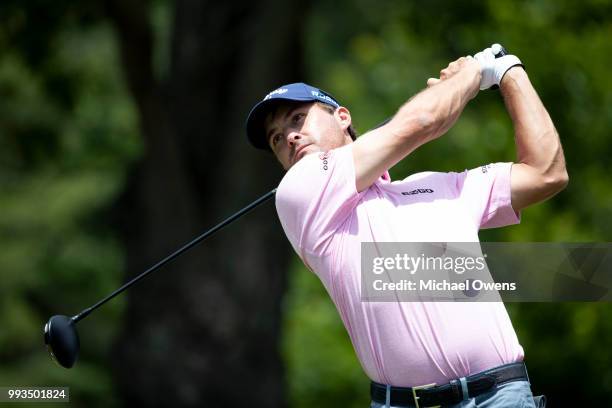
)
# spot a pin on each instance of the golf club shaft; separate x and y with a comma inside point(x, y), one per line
point(175, 254)
point(187, 246)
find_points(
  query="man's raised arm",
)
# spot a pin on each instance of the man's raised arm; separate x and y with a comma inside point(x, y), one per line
point(426, 116)
point(540, 169)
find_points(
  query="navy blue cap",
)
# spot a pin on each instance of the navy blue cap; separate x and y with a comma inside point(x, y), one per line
point(298, 92)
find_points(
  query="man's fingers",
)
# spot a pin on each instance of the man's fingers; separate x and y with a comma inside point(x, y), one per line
point(452, 68)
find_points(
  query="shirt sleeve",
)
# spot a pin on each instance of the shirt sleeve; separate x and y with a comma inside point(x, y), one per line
point(486, 193)
point(315, 198)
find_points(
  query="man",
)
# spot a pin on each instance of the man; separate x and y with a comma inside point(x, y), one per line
point(337, 194)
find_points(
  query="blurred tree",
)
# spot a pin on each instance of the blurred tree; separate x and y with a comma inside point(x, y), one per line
point(205, 331)
point(210, 323)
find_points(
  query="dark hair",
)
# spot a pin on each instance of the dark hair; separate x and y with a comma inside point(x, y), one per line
point(351, 131)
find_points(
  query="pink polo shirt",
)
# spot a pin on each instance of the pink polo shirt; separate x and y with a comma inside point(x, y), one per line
point(401, 343)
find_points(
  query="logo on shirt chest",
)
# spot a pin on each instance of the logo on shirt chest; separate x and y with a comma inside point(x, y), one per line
point(418, 191)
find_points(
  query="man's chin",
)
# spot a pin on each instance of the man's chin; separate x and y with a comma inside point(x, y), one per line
point(304, 152)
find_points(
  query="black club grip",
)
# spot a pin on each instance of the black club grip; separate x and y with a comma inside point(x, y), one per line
point(498, 50)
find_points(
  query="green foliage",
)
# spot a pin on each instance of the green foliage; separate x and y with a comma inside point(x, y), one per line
point(67, 134)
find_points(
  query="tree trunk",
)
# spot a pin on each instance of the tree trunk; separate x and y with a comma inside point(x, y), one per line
point(205, 330)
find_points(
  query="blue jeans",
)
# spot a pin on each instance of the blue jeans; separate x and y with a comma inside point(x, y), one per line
point(515, 394)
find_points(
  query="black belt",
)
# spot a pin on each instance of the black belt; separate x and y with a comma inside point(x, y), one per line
point(451, 393)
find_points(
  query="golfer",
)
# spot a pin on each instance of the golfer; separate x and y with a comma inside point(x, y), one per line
point(337, 193)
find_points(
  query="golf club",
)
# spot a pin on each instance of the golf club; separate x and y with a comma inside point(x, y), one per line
point(61, 337)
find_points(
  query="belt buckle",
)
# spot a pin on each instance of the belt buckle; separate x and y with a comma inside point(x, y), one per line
point(416, 398)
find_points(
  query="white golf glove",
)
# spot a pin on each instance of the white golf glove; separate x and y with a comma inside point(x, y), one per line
point(493, 69)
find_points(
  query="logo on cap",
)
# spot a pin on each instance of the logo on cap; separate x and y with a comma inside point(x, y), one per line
point(278, 91)
point(321, 95)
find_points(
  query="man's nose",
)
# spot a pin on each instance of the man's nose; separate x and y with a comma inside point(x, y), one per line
point(293, 137)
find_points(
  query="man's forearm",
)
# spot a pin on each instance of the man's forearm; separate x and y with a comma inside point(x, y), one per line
point(438, 107)
point(537, 140)
point(424, 117)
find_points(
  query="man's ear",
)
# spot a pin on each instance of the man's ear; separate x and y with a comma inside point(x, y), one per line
point(343, 116)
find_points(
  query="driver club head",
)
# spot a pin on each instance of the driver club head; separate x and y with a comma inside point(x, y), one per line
point(62, 340)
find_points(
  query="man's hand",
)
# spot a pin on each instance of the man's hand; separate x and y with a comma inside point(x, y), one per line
point(493, 69)
point(464, 64)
